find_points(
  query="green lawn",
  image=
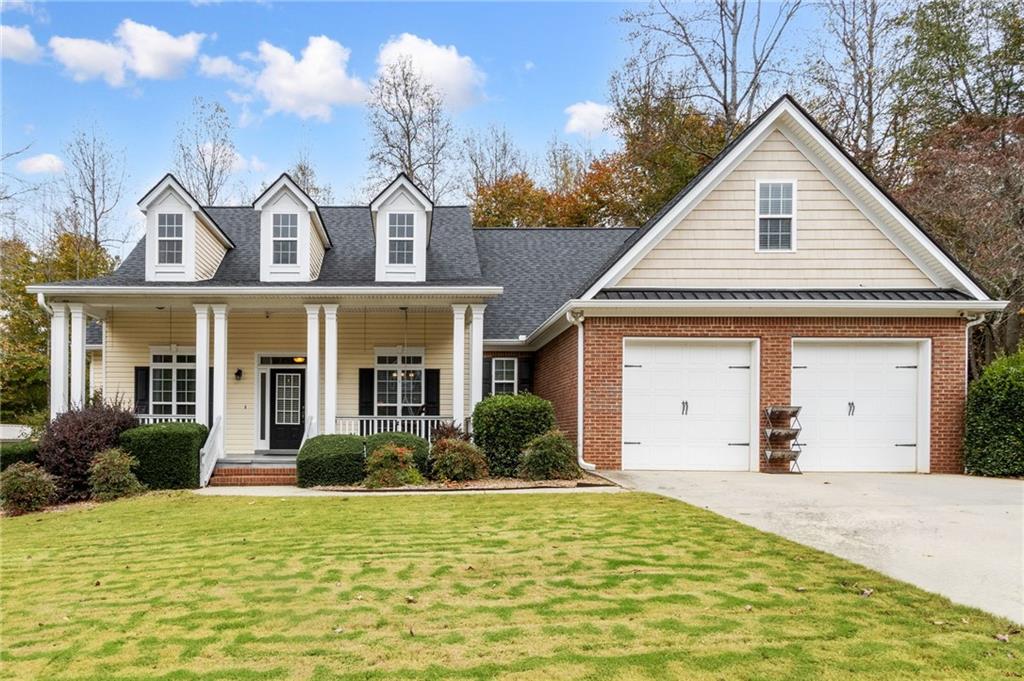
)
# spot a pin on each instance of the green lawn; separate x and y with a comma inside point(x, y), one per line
point(556, 586)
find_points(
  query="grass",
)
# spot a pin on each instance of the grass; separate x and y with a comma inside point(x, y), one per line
point(556, 586)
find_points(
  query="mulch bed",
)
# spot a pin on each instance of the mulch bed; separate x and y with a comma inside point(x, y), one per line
point(587, 480)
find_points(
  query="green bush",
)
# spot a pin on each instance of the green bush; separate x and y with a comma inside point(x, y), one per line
point(994, 438)
point(22, 450)
point(550, 456)
point(503, 424)
point(25, 487)
point(111, 476)
point(168, 453)
point(417, 445)
point(456, 460)
point(331, 460)
point(391, 466)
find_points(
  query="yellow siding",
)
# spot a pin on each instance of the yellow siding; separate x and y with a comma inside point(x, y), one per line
point(209, 252)
point(316, 255)
point(131, 334)
point(837, 246)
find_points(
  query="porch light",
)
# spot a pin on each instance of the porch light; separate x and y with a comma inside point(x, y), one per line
point(299, 360)
point(238, 374)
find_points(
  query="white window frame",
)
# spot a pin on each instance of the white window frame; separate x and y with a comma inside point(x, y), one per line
point(175, 366)
point(180, 239)
point(515, 375)
point(758, 216)
point(410, 239)
point(276, 239)
point(400, 367)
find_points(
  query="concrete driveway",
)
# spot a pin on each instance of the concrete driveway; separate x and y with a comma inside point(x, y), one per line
point(958, 536)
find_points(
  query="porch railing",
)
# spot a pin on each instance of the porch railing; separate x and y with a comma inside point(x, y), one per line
point(146, 419)
point(422, 426)
point(210, 452)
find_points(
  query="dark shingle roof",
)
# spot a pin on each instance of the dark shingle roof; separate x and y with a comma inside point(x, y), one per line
point(829, 295)
point(540, 269)
point(451, 257)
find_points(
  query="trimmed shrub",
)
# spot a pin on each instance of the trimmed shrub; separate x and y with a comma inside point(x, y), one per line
point(550, 456)
point(448, 430)
point(111, 476)
point(503, 424)
point(26, 487)
point(22, 450)
point(994, 435)
point(417, 445)
point(331, 460)
point(71, 440)
point(391, 466)
point(168, 453)
point(456, 460)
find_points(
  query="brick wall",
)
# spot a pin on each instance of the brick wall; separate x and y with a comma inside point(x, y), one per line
point(603, 369)
point(554, 378)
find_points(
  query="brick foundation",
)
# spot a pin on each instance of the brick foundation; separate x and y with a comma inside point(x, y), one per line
point(603, 338)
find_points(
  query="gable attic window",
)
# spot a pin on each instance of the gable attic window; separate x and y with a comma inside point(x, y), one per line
point(169, 238)
point(775, 216)
point(286, 239)
point(401, 228)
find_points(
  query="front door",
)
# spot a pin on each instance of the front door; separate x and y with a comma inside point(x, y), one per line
point(287, 408)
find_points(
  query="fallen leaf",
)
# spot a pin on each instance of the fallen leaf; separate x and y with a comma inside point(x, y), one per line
point(866, 593)
point(1003, 637)
point(801, 588)
point(97, 583)
point(338, 630)
point(410, 599)
point(748, 607)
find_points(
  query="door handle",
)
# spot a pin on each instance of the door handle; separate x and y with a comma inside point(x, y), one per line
point(684, 407)
point(851, 408)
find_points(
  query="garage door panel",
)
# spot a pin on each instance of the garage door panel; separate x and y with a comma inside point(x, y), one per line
point(859, 402)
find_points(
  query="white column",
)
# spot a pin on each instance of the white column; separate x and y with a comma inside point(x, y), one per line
point(458, 364)
point(220, 369)
point(58, 359)
point(330, 368)
point(77, 399)
point(312, 370)
point(476, 354)
point(202, 363)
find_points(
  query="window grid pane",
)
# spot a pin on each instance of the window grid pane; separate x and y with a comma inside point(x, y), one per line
point(504, 370)
point(287, 400)
point(400, 252)
point(399, 385)
point(776, 199)
point(286, 252)
point(775, 234)
point(169, 251)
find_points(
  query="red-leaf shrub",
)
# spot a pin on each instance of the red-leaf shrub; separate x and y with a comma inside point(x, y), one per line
point(391, 466)
point(71, 440)
point(455, 460)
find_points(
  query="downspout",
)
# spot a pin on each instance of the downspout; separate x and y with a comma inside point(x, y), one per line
point(575, 317)
point(41, 300)
point(971, 323)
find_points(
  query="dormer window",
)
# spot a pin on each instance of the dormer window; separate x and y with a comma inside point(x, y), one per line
point(401, 231)
point(169, 238)
point(286, 238)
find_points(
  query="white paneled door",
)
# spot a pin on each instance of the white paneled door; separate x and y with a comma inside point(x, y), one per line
point(860, 404)
point(686, 404)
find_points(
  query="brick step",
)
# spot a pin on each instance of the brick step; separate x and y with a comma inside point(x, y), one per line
point(251, 480)
point(254, 470)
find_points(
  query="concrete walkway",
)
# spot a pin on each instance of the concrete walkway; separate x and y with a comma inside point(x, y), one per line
point(959, 536)
point(289, 491)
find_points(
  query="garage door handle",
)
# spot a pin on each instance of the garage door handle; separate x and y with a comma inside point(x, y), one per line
point(908, 444)
point(851, 408)
point(739, 444)
point(626, 442)
point(684, 407)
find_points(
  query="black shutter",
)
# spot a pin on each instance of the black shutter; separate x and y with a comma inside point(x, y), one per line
point(432, 390)
point(487, 376)
point(209, 400)
point(366, 392)
point(525, 375)
point(141, 390)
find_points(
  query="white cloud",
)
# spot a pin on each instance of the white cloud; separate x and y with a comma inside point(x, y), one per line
point(224, 67)
point(19, 44)
point(529, 66)
point(43, 163)
point(157, 54)
point(587, 118)
point(144, 50)
point(242, 164)
point(455, 76)
point(86, 59)
point(311, 86)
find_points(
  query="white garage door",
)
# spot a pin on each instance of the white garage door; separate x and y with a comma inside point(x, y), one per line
point(686, 405)
point(859, 404)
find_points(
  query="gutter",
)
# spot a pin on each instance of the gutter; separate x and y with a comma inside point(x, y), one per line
point(258, 290)
point(576, 319)
point(41, 301)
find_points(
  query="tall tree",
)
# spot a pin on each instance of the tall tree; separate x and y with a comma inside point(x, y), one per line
point(492, 156)
point(856, 88)
point(305, 175)
point(509, 201)
point(204, 151)
point(728, 48)
point(410, 131)
point(94, 178)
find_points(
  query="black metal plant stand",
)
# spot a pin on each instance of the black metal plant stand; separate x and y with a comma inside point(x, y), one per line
point(781, 435)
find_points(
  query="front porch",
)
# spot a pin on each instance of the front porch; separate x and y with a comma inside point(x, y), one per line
point(266, 377)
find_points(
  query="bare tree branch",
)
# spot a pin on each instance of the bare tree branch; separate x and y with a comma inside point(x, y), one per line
point(205, 154)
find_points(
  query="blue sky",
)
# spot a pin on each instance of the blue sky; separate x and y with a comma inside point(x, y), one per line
point(518, 65)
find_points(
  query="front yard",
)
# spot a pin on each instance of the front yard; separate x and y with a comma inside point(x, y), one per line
point(555, 586)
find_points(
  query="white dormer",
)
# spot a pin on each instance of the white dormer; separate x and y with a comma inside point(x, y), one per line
point(401, 221)
point(183, 243)
point(292, 234)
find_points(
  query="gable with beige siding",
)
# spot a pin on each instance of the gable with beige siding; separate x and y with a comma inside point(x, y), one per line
point(209, 252)
point(713, 246)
